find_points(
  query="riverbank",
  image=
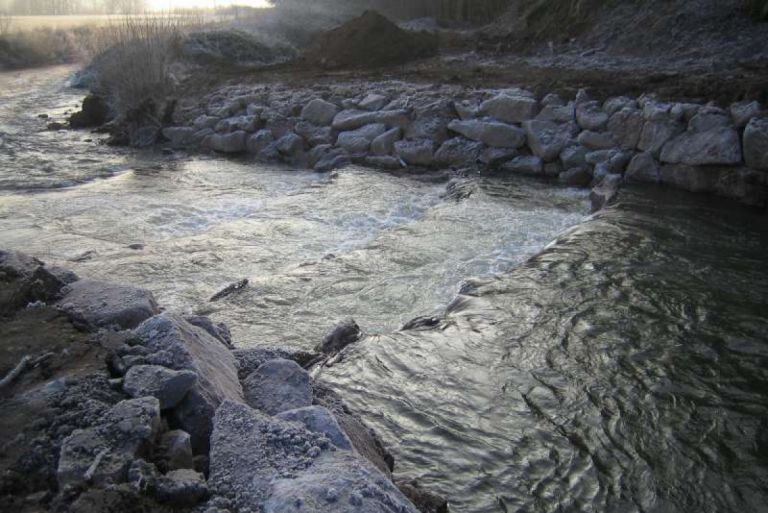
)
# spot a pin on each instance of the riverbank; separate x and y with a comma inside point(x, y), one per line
point(401, 126)
point(117, 404)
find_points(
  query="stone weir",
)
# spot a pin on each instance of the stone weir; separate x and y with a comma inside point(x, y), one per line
point(112, 405)
point(401, 126)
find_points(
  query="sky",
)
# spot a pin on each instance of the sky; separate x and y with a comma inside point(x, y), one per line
point(162, 5)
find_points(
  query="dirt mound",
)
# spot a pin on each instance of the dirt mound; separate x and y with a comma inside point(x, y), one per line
point(369, 41)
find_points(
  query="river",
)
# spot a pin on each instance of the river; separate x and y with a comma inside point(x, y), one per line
point(614, 362)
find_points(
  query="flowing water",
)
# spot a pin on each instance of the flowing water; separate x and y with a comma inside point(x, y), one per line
point(606, 363)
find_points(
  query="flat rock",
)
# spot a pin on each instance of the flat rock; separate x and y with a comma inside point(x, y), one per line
point(499, 135)
point(96, 304)
point(373, 102)
point(176, 344)
point(354, 119)
point(278, 385)
point(167, 385)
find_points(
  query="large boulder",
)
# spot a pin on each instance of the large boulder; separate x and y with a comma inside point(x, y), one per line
point(384, 144)
point(643, 168)
point(547, 139)
point(499, 135)
point(290, 144)
point(167, 385)
point(510, 108)
point(319, 419)
point(314, 135)
point(717, 146)
point(95, 304)
point(590, 116)
point(596, 140)
point(176, 344)
point(354, 119)
point(626, 126)
point(415, 153)
point(756, 144)
point(319, 112)
point(259, 141)
point(104, 452)
point(250, 450)
point(359, 141)
point(278, 385)
point(233, 142)
point(458, 151)
point(655, 134)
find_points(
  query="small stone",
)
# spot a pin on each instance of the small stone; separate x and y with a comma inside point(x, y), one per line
point(168, 386)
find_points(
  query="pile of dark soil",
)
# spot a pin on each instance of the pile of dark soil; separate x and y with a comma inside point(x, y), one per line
point(235, 47)
point(369, 41)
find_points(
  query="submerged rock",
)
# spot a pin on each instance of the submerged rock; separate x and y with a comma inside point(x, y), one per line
point(278, 385)
point(344, 333)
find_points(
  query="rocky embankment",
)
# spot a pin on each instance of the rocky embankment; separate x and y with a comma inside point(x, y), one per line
point(400, 126)
point(111, 404)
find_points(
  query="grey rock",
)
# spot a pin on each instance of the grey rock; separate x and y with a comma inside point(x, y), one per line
point(547, 139)
point(709, 119)
point(576, 177)
point(338, 483)
point(179, 136)
point(359, 141)
point(654, 110)
point(465, 110)
point(182, 487)
point(103, 453)
point(499, 135)
point(596, 140)
point(590, 116)
point(553, 169)
point(319, 112)
point(233, 142)
point(290, 144)
point(353, 119)
point(278, 385)
point(683, 112)
point(718, 146)
point(250, 450)
point(178, 345)
point(619, 161)
point(373, 102)
point(217, 330)
point(510, 109)
point(203, 122)
point(525, 165)
point(605, 192)
point(384, 144)
point(458, 151)
point(174, 450)
point(626, 126)
point(656, 134)
point(756, 144)
point(743, 112)
point(574, 156)
point(616, 104)
point(314, 135)
point(26, 280)
point(415, 153)
point(385, 162)
point(248, 360)
point(599, 156)
point(343, 334)
point(643, 168)
point(558, 113)
point(494, 156)
point(552, 99)
point(95, 304)
point(167, 385)
point(319, 419)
